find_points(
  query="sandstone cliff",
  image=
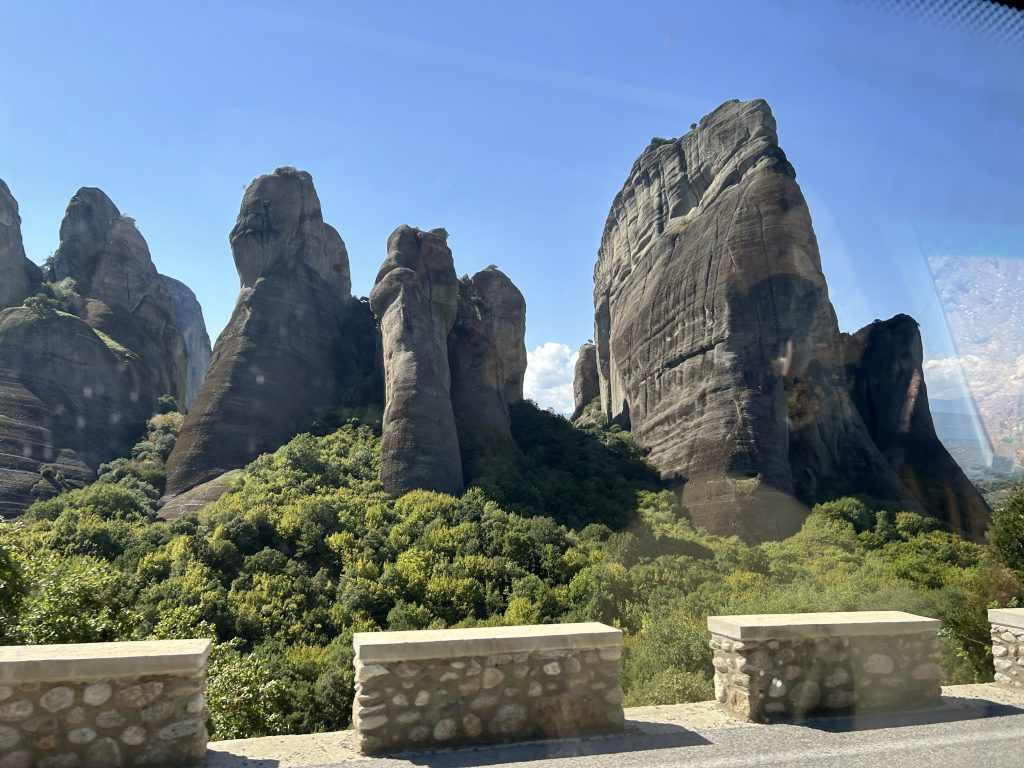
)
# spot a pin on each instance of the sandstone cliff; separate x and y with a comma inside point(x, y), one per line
point(716, 340)
point(415, 298)
point(886, 380)
point(284, 353)
point(124, 297)
point(188, 316)
point(18, 276)
point(487, 360)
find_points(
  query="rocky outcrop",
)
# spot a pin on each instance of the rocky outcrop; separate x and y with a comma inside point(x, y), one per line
point(71, 395)
point(487, 361)
point(197, 498)
point(716, 340)
point(285, 352)
point(188, 316)
point(886, 380)
point(586, 384)
point(415, 298)
point(70, 398)
point(124, 297)
point(19, 277)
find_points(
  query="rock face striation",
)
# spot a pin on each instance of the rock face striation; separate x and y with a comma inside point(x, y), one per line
point(76, 389)
point(886, 381)
point(454, 362)
point(586, 384)
point(18, 276)
point(285, 352)
point(188, 316)
point(716, 340)
point(487, 360)
point(416, 299)
point(124, 297)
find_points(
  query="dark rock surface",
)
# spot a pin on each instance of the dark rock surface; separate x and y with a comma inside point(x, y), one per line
point(586, 384)
point(286, 351)
point(68, 397)
point(487, 361)
point(716, 340)
point(109, 260)
point(886, 380)
point(415, 298)
point(18, 276)
point(188, 316)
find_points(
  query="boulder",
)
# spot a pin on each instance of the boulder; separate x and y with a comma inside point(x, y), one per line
point(285, 353)
point(886, 379)
point(124, 297)
point(586, 385)
point(416, 298)
point(716, 340)
point(188, 316)
point(19, 277)
point(487, 361)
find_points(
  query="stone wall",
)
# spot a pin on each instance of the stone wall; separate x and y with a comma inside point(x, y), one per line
point(439, 688)
point(103, 705)
point(786, 666)
point(1008, 645)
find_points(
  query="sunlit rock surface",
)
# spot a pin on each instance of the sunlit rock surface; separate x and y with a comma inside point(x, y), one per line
point(124, 297)
point(72, 394)
point(415, 298)
point(586, 384)
point(716, 340)
point(188, 316)
point(18, 275)
point(296, 341)
point(487, 360)
point(884, 367)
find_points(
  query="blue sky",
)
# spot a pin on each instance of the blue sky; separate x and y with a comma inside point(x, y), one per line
point(512, 125)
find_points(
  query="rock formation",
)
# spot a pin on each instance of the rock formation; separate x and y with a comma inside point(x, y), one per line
point(18, 276)
point(487, 361)
point(188, 316)
point(415, 298)
point(586, 384)
point(124, 297)
point(69, 398)
point(886, 380)
point(716, 340)
point(76, 391)
point(285, 353)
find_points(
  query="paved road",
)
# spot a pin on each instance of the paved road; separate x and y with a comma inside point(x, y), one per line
point(979, 731)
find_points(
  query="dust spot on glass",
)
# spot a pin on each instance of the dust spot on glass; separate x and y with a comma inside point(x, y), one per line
point(260, 378)
point(87, 390)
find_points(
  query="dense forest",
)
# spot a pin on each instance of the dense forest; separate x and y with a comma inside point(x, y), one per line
point(305, 549)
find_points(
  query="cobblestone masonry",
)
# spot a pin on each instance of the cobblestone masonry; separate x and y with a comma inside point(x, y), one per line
point(1008, 646)
point(102, 722)
point(517, 692)
point(767, 679)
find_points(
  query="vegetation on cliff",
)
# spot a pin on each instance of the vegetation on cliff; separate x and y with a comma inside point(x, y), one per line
point(306, 549)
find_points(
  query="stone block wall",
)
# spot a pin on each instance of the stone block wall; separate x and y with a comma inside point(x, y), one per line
point(1008, 646)
point(440, 688)
point(103, 705)
point(788, 666)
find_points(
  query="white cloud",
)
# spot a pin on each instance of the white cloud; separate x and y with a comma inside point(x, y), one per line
point(549, 372)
